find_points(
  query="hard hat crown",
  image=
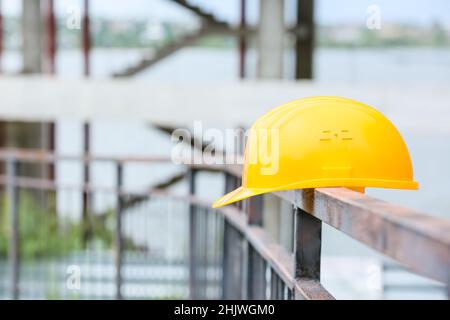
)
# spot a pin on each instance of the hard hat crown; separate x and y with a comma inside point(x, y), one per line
point(323, 142)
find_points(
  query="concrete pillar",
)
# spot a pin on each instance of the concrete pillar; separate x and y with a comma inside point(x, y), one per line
point(32, 36)
point(270, 39)
point(30, 135)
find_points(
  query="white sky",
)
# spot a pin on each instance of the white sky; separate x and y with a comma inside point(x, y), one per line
point(327, 11)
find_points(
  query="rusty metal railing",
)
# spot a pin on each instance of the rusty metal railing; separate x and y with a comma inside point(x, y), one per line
point(235, 246)
point(418, 241)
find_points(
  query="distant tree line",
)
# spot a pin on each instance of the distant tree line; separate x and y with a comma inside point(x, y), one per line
point(107, 33)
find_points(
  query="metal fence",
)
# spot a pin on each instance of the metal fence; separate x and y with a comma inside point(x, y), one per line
point(134, 246)
point(156, 244)
point(270, 270)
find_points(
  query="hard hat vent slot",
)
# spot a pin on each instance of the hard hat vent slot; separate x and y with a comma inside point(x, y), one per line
point(337, 135)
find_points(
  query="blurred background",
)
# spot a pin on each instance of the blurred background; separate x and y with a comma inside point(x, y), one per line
point(113, 79)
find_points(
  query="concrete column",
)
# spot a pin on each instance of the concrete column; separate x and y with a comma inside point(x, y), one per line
point(32, 36)
point(270, 39)
point(33, 135)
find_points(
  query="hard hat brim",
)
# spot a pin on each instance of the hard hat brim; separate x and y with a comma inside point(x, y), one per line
point(242, 193)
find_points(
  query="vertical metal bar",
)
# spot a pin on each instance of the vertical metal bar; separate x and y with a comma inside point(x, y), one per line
point(305, 39)
point(251, 267)
point(448, 290)
point(240, 143)
point(273, 285)
point(307, 245)
point(242, 39)
point(193, 265)
point(202, 247)
point(232, 262)
point(118, 232)
point(51, 36)
point(226, 262)
point(13, 208)
point(86, 178)
point(280, 289)
point(255, 210)
point(245, 269)
point(86, 39)
point(51, 147)
point(447, 285)
point(208, 237)
point(289, 294)
point(256, 275)
point(230, 182)
point(218, 244)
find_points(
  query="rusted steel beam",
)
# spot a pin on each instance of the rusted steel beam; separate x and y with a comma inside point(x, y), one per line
point(418, 241)
point(51, 36)
point(242, 39)
point(206, 16)
point(307, 289)
point(304, 32)
point(86, 40)
point(307, 245)
point(255, 210)
point(161, 53)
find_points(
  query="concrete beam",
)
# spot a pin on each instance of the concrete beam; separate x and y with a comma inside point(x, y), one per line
point(271, 39)
point(221, 105)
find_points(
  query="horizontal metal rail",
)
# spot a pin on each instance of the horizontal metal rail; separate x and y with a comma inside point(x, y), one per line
point(49, 185)
point(419, 241)
point(42, 156)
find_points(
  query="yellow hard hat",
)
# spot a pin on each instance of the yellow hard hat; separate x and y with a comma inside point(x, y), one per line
point(322, 142)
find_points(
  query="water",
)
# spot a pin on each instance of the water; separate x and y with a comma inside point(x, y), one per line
point(358, 65)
